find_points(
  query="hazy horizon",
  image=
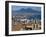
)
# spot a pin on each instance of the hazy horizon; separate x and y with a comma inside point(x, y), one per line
point(25, 10)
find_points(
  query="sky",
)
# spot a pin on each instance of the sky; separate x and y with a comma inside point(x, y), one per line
point(15, 8)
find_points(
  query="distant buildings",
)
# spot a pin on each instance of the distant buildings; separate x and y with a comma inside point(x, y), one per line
point(33, 24)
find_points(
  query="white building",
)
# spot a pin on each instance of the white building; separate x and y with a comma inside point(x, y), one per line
point(26, 20)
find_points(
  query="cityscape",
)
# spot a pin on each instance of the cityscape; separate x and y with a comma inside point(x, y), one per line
point(26, 18)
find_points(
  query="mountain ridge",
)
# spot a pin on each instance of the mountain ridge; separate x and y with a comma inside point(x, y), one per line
point(27, 10)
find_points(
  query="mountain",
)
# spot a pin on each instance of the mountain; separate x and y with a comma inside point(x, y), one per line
point(27, 10)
